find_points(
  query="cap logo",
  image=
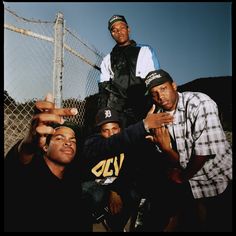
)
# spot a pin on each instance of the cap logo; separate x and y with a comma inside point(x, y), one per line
point(107, 113)
point(115, 18)
point(151, 78)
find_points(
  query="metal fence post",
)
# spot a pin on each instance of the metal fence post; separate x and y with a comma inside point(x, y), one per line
point(58, 59)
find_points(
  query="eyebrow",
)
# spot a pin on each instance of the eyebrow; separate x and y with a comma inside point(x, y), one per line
point(56, 135)
point(123, 25)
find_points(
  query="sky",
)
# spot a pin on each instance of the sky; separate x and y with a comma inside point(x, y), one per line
point(192, 40)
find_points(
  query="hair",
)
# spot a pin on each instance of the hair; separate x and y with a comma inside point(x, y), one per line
point(67, 124)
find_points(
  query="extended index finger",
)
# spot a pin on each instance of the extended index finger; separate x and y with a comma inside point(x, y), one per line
point(44, 105)
point(49, 107)
point(64, 111)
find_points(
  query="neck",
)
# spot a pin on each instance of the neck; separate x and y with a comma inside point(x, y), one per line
point(57, 169)
point(124, 44)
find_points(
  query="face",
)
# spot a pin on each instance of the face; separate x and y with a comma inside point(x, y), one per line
point(109, 129)
point(165, 95)
point(62, 146)
point(120, 33)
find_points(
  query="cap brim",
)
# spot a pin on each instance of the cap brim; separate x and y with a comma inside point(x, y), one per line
point(118, 20)
point(107, 121)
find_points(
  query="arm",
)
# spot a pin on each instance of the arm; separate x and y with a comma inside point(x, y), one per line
point(115, 203)
point(177, 174)
point(45, 114)
point(196, 163)
point(147, 61)
point(204, 132)
point(105, 76)
point(98, 146)
point(161, 137)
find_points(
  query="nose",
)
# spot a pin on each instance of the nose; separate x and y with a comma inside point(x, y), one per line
point(67, 142)
point(111, 133)
point(161, 96)
point(117, 31)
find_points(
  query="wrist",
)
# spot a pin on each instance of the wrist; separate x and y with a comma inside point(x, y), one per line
point(146, 126)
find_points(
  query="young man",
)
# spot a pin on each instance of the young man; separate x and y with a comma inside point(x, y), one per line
point(196, 146)
point(121, 85)
point(109, 159)
point(111, 178)
point(42, 190)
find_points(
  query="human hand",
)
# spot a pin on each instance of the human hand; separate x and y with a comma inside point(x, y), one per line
point(156, 120)
point(45, 114)
point(115, 203)
point(175, 175)
point(161, 137)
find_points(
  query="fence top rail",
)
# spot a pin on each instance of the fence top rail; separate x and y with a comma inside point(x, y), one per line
point(28, 20)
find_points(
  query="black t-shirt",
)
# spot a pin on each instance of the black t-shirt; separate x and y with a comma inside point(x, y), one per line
point(37, 201)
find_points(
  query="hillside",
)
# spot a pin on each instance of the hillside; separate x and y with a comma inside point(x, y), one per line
point(220, 90)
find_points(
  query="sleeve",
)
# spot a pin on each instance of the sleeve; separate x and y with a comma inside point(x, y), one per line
point(147, 61)
point(105, 76)
point(97, 147)
point(106, 71)
point(208, 133)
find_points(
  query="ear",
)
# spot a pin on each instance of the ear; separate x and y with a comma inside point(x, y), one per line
point(45, 148)
point(129, 30)
point(174, 85)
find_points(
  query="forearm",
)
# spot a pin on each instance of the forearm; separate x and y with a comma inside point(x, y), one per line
point(98, 146)
point(15, 158)
point(173, 157)
point(196, 163)
point(26, 151)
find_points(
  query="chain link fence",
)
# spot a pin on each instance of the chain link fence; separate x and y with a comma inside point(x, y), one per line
point(29, 71)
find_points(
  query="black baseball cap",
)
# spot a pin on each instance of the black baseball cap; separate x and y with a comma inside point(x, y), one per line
point(114, 19)
point(157, 77)
point(106, 115)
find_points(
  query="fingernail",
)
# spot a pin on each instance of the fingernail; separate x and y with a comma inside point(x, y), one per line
point(74, 111)
point(49, 97)
point(62, 121)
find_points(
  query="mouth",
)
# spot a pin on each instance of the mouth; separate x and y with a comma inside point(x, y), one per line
point(120, 37)
point(69, 151)
point(165, 103)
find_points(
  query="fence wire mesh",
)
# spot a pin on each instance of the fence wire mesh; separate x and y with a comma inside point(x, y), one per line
point(28, 71)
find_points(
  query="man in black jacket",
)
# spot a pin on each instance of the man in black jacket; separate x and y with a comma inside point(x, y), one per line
point(110, 180)
point(121, 84)
point(113, 162)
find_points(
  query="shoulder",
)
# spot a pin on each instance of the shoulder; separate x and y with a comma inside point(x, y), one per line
point(142, 45)
point(196, 97)
point(106, 58)
point(146, 49)
point(195, 101)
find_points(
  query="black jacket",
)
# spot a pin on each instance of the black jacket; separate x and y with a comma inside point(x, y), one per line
point(125, 92)
point(114, 157)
